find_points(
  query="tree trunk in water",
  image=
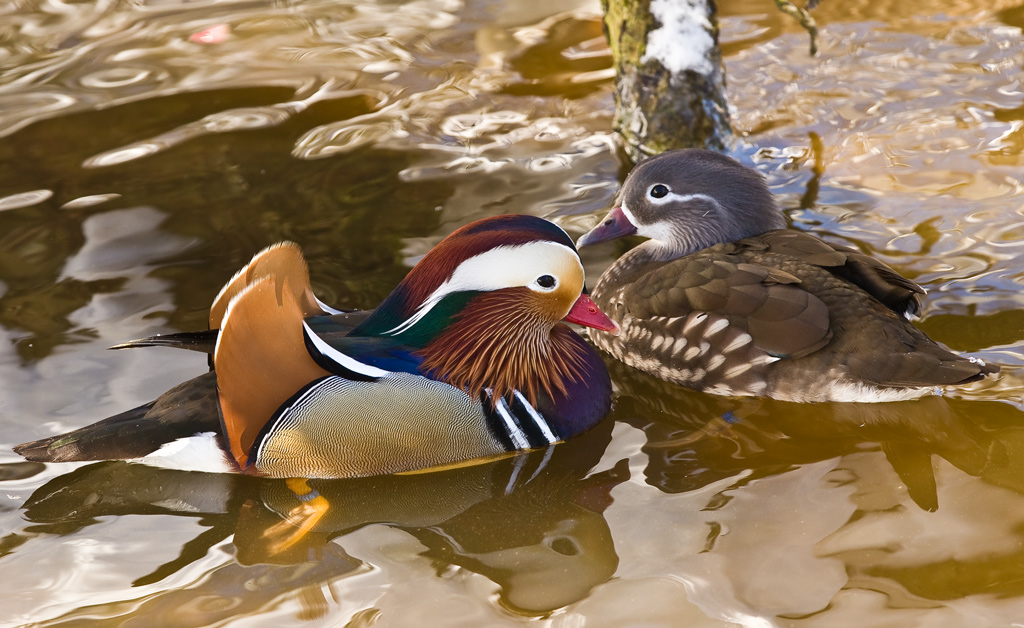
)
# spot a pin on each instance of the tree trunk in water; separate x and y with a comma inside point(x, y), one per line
point(669, 79)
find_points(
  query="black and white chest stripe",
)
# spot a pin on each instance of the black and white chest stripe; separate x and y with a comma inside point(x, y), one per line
point(518, 425)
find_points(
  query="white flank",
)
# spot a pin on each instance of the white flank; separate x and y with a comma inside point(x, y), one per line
point(694, 319)
point(853, 392)
point(683, 41)
point(199, 452)
point(739, 341)
point(716, 327)
point(738, 370)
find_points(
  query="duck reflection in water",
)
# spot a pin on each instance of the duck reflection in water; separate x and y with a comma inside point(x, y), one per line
point(532, 524)
point(694, 439)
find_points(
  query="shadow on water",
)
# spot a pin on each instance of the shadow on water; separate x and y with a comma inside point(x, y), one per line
point(532, 524)
point(694, 439)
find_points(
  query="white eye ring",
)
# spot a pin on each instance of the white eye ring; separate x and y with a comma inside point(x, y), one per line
point(544, 283)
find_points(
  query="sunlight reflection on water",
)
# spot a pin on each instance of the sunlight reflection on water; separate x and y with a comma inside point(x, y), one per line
point(151, 147)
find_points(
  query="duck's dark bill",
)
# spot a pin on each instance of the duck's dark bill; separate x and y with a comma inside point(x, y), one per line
point(614, 225)
point(585, 312)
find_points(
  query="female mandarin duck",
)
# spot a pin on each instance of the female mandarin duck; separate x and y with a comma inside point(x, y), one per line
point(465, 360)
point(723, 298)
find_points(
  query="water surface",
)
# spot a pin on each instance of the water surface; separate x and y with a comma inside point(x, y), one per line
point(144, 158)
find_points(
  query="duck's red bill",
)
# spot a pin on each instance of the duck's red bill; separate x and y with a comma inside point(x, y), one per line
point(585, 312)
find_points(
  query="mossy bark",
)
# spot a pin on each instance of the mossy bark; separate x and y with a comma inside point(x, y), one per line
point(655, 109)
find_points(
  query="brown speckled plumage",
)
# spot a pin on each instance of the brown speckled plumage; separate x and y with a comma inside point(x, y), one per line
point(723, 300)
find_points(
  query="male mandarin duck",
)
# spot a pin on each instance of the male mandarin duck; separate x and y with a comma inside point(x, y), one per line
point(466, 360)
point(723, 298)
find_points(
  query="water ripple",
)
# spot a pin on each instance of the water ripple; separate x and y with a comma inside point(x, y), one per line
point(110, 78)
point(228, 121)
point(124, 154)
point(341, 137)
point(20, 110)
point(24, 199)
point(477, 125)
point(89, 201)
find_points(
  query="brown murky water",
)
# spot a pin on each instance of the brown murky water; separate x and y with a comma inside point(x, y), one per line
point(139, 169)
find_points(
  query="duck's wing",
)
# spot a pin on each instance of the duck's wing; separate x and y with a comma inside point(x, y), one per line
point(716, 292)
point(898, 293)
point(720, 316)
point(753, 284)
point(712, 320)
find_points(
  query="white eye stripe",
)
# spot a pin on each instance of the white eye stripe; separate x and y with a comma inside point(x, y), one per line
point(508, 266)
point(672, 197)
point(501, 267)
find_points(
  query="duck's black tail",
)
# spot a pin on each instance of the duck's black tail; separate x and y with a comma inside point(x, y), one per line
point(202, 341)
point(185, 410)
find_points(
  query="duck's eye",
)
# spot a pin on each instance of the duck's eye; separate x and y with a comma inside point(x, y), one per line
point(659, 191)
point(547, 282)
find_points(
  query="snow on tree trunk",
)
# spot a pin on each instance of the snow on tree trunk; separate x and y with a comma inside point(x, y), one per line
point(669, 80)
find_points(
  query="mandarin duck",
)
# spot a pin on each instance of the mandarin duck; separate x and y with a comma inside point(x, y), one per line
point(723, 298)
point(466, 360)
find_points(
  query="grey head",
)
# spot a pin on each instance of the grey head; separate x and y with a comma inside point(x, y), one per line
point(687, 200)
